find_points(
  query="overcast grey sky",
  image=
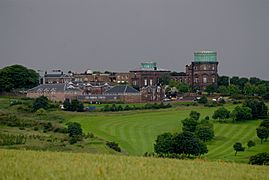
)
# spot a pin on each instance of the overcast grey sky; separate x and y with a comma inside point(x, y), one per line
point(117, 35)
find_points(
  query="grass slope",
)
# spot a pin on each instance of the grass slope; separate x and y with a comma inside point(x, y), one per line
point(136, 131)
point(50, 165)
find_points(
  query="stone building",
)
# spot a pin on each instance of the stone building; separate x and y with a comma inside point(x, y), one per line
point(55, 92)
point(202, 72)
point(117, 93)
point(152, 93)
point(91, 77)
point(57, 77)
point(148, 75)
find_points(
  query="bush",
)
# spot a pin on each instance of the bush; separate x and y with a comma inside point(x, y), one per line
point(114, 146)
point(202, 100)
point(40, 102)
point(9, 139)
point(251, 143)
point(260, 159)
point(40, 112)
point(74, 129)
point(258, 108)
point(241, 113)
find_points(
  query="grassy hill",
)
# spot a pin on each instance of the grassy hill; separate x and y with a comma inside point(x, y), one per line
point(136, 131)
point(16, 164)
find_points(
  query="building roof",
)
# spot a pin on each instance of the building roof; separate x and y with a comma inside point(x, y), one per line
point(120, 89)
point(54, 88)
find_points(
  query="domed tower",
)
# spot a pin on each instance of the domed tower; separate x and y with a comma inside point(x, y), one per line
point(203, 71)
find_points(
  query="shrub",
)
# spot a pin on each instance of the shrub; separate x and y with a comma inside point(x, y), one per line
point(40, 102)
point(74, 129)
point(258, 108)
point(40, 112)
point(202, 100)
point(241, 113)
point(114, 146)
point(221, 114)
point(259, 159)
point(251, 143)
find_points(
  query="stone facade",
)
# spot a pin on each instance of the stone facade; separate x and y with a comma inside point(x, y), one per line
point(55, 92)
point(152, 93)
point(147, 75)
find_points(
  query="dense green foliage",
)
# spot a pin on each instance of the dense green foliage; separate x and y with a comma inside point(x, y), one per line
point(114, 146)
point(258, 108)
point(251, 144)
point(180, 143)
point(114, 107)
point(241, 113)
point(17, 77)
point(262, 133)
point(203, 100)
point(205, 132)
point(40, 102)
point(236, 86)
point(260, 159)
point(238, 147)
point(74, 105)
point(221, 114)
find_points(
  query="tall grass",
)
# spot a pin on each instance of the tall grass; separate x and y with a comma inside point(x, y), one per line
point(48, 165)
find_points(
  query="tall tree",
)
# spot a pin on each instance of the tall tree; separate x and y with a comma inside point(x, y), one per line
point(16, 77)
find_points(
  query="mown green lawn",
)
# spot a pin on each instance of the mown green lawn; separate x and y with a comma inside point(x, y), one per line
point(136, 131)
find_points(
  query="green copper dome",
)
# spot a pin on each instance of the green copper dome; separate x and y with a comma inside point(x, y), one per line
point(205, 56)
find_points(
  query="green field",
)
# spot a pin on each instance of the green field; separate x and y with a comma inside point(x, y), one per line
point(21, 164)
point(136, 131)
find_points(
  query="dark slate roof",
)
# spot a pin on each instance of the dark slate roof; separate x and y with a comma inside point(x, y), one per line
point(54, 88)
point(121, 90)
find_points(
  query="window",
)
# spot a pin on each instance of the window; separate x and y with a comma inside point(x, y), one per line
point(204, 80)
point(213, 67)
point(213, 79)
point(196, 80)
point(134, 83)
point(150, 82)
point(204, 67)
point(145, 82)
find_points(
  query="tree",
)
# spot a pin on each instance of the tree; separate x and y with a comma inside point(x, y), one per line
point(223, 81)
point(234, 80)
point(16, 77)
point(182, 143)
point(189, 124)
point(258, 108)
point(254, 80)
point(238, 147)
point(221, 114)
point(261, 89)
point(204, 132)
point(265, 123)
point(203, 100)
point(233, 90)
point(163, 144)
point(251, 144)
point(241, 113)
point(224, 91)
point(183, 88)
point(262, 133)
point(259, 159)
point(195, 115)
point(242, 82)
point(187, 143)
point(249, 89)
point(211, 89)
point(67, 104)
point(40, 102)
point(75, 132)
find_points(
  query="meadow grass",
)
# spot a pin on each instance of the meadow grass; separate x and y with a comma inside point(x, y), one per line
point(136, 131)
point(20, 164)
